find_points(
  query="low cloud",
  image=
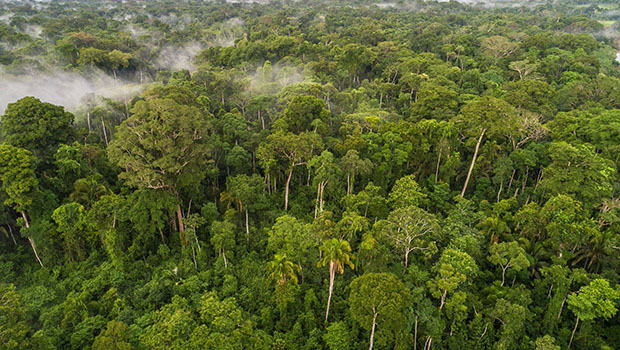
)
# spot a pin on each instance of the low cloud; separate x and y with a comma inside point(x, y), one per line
point(67, 89)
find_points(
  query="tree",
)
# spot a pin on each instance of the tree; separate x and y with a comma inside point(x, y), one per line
point(486, 116)
point(293, 150)
point(353, 165)
point(163, 146)
point(19, 184)
point(524, 68)
point(406, 192)
point(453, 269)
point(580, 172)
point(412, 229)
point(73, 227)
point(507, 255)
point(305, 113)
point(282, 270)
point(337, 337)
point(595, 300)
point(498, 46)
point(223, 238)
point(325, 172)
point(336, 254)
point(36, 126)
point(114, 337)
point(378, 299)
point(14, 331)
point(245, 191)
point(291, 237)
point(118, 59)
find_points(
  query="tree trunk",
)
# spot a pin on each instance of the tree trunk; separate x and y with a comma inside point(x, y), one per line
point(504, 274)
point(316, 204)
point(443, 299)
point(288, 181)
point(194, 257)
point(348, 183)
point(573, 334)
point(322, 186)
point(32, 244)
point(332, 273)
point(372, 331)
point(161, 233)
point(437, 168)
point(406, 260)
point(473, 162)
point(415, 334)
point(180, 219)
point(11, 233)
point(88, 120)
point(224, 256)
point(247, 225)
point(105, 134)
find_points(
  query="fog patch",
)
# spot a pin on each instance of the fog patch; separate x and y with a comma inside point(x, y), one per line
point(6, 18)
point(67, 89)
point(33, 30)
point(178, 57)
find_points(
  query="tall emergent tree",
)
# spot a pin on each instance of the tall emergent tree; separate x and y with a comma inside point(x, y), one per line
point(595, 300)
point(336, 253)
point(162, 145)
point(36, 126)
point(379, 298)
point(19, 183)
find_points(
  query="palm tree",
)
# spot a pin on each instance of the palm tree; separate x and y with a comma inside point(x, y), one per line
point(335, 253)
point(282, 270)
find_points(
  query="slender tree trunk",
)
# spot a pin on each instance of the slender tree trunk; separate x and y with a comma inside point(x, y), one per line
point(332, 272)
point(504, 274)
point(180, 219)
point(437, 168)
point(161, 233)
point(323, 184)
point(88, 120)
point(11, 233)
point(288, 181)
point(224, 256)
point(473, 162)
point(247, 224)
point(501, 187)
point(348, 183)
point(316, 204)
point(511, 179)
point(573, 334)
point(406, 260)
point(372, 331)
point(194, 257)
point(561, 307)
point(415, 334)
point(105, 134)
point(443, 299)
point(32, 244)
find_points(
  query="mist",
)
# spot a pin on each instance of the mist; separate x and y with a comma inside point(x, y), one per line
point(67, 89)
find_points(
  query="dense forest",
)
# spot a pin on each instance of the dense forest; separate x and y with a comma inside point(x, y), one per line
point(309, 175)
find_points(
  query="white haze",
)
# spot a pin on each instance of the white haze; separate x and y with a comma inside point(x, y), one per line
point(178, 57)
point(62, 88)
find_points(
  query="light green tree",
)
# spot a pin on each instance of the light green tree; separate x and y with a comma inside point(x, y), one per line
point(336, 254)
point(508, 255)
point(452, 270)
point(379, 299)
point(598, 299)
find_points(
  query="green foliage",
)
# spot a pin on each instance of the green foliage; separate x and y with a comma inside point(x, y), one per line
point(36, 126)
point(380, 163)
